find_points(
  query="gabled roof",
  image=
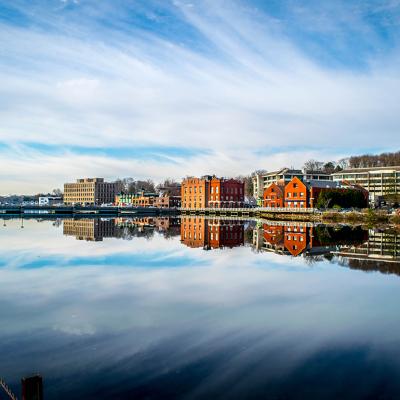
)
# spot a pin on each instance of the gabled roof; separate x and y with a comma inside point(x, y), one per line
point(322, 184)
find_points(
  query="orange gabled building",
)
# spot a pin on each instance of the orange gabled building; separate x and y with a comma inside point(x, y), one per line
point(274, 195)
point(296, 194)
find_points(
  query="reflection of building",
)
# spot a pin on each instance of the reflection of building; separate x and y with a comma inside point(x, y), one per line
point(146, 226)
point(382, 246)
point(168, 225)
point(379, 181)
point(32, 388)
point(302, 238)
point(89, 191)
point(210, 191)
point(211, 233)
point(289, 239)
point(89, 229)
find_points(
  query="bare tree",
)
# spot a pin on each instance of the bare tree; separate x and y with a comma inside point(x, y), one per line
point(313, 165)
point(57, 192)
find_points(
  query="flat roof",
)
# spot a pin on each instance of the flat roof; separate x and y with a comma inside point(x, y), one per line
point(368, 169)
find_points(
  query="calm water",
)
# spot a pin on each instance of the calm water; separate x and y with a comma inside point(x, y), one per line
point(199, 309)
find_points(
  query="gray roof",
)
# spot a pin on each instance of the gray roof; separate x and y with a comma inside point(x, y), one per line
point(356, 170)
point(322, 184)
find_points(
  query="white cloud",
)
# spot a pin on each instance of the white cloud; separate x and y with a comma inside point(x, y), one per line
point(252, 89)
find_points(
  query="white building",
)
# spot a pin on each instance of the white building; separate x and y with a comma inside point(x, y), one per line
point(379, 181)
point(50, 200)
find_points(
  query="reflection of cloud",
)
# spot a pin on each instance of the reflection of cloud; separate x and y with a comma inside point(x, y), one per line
point(75, 330)
point(238, 316)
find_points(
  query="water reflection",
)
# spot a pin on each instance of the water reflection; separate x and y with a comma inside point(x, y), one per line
point(355, 247)
point(135, 308)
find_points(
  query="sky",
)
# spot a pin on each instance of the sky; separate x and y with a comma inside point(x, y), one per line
point(164, 89)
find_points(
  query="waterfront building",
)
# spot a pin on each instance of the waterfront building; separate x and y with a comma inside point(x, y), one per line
point(378, 181)
point(89, 191)
point(274, 195)
point(296, 194)
point(195, 192)
point(303, 194)
point(50, 200)
point(167, 201)
point(212, 192)
point(140, 199)
point(282, 177)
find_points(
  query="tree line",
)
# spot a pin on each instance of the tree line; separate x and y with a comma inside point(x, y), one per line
point(363, 161)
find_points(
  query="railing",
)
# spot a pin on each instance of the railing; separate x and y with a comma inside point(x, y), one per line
point(287, 209)
point(8, 391)
point(253, 210)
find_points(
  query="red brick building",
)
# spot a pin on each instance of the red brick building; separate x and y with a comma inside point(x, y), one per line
point(274, 196)
point(296, 194)
point(213, 192)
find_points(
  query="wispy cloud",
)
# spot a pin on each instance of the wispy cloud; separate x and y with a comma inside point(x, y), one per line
point(246, 85)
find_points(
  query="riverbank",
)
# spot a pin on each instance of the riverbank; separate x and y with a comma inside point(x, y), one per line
point(366, 217)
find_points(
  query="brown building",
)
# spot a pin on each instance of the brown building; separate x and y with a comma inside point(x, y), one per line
point(167, 201)
point(194, 192)
point(89, 191)
point(140, 199)
point(274, 196)
point(212, 192)
point(299, 194)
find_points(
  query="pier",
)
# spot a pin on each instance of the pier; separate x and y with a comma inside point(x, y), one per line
point(115, 211)
point(42, 211)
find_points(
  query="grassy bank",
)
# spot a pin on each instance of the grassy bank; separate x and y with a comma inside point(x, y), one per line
point(367, 217)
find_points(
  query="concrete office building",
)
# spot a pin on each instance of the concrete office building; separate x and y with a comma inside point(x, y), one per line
point(379, 181)
point(89, 191)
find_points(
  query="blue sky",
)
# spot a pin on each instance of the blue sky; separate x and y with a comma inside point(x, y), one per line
point(171, 88)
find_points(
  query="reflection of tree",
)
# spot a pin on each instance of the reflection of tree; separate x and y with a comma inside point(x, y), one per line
point(375, 265)
point(132, 231)
point(328, 235)
point(57, 222)
point(248, 235)
point(312, 259)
